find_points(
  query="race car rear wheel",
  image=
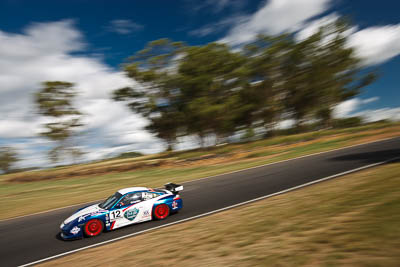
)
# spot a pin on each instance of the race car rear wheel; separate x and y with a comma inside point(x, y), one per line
point(93, 227)
point(161, 212)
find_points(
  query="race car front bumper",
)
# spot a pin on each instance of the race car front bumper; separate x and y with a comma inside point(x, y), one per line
point(70, 231)
point(65, 236)
point(69, 236)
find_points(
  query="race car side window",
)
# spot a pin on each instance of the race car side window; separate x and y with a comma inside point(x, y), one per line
point(149, 195)
point(130, 199)
point(109, 202)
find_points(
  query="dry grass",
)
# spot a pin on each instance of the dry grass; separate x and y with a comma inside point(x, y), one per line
point(349, 221)
point(204, 158)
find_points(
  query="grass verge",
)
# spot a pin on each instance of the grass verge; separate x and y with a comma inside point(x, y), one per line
point(73, 185)
point(349, 221)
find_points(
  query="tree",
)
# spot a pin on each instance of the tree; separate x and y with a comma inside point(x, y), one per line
point(265, 90)
point(8, 157)
point(209, 90)
point(210, 86)
point(323, 72)
point(184, 90)
point(55, 101)
point(156, 95)
point(305, 79)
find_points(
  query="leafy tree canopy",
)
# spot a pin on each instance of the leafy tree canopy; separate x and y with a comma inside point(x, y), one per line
point(55, 101)
point(210, 90)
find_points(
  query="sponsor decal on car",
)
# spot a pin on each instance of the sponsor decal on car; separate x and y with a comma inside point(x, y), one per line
point(131, 214)
point(174, 205)
point(146, 214)
point(75, 230)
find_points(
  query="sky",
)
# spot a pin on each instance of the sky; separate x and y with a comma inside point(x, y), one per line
point(86, 41)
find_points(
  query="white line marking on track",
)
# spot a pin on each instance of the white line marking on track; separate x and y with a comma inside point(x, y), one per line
point(213, 176)
point(212, 212)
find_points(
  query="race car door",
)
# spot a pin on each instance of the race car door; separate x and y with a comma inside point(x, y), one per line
point(128, 210)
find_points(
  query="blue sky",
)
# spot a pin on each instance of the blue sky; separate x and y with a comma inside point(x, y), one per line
point(85, 41)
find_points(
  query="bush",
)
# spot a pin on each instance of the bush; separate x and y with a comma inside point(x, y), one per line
point(130, 155)
point(347, 122)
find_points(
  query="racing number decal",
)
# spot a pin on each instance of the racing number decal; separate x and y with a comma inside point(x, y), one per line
point(115, 214)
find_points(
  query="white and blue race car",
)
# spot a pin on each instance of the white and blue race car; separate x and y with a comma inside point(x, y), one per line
point(127, 206)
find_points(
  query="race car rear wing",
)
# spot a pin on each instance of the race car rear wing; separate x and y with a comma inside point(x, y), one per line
point(174, 188)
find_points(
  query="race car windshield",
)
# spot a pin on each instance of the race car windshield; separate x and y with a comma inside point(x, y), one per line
point(109, 202)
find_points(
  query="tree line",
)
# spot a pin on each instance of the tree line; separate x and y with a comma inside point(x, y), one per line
point(214, 91)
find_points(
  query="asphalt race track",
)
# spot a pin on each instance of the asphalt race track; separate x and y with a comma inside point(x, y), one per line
point(31, 238)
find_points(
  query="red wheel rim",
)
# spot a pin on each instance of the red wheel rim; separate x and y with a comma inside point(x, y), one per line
point(93, 227)
point(161, 211)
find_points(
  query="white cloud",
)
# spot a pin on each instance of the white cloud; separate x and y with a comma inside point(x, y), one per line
point(286, 124)
point(217, 27)
point(369, 115)
point(314, 25)
point(41, 39)
point(218, 5)
point(124, 26)
point(43, 52)
point(17, 128)
point(276, 16)
point(373, 45)
point(352, 107)
point(29, 152)
point(347, 108)
point(215, 6)
point(376, 45)
point(370, 100)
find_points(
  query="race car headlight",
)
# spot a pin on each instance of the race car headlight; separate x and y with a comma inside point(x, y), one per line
point(62, 225)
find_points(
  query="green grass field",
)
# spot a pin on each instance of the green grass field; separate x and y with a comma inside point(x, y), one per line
point(35, 191)
point(348, 221)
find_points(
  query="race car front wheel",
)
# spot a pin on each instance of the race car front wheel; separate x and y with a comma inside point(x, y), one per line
point(161, 212)
point(93, 227)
